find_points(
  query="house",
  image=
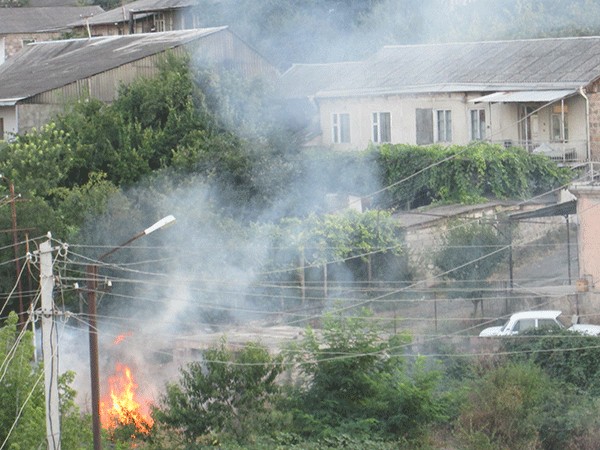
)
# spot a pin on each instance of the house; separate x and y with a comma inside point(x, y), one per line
point(541, 94)
point(145, 16)
point(297, 88)
point(21, 26)
point(37, 82)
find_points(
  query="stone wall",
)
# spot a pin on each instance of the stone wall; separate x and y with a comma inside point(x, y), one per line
point(593, 95)
point(14, 42)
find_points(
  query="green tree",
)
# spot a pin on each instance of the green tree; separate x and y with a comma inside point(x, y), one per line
point(566, 356)
point(353, 378)
point(469, 254)
point(21, 389)
point(227, 392)
point(470, 250)
point(348, 237)
point(22, 402)
point(504, 407)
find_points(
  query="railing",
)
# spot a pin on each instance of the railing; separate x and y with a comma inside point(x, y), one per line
point(568, 152)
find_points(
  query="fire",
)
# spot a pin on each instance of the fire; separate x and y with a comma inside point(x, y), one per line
point(120, 406)
point(121, 337)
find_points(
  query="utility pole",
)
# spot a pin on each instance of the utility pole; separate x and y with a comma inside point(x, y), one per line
point(92, 276)
point(13, 215)
point(49, 346)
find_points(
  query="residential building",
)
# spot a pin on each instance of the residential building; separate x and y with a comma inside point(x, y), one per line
point(21, 26)
point(39, 81)
point(145, 16)
point(541, 94)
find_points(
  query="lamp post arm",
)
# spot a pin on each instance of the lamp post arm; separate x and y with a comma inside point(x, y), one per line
point(92, 274)
point(120, 246)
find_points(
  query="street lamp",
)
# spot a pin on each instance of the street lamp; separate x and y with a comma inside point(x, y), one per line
point(92, 273)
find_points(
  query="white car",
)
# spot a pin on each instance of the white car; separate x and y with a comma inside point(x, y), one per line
point(527, 320)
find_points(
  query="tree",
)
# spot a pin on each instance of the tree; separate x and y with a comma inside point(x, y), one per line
point(22, 402)
point(470, 252)
point(566, 356)
point(226, 392)
point(347, 238)
point(504, 407)
point(354, 379)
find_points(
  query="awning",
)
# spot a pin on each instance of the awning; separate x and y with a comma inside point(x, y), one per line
point(560, 209)
point(525, 96)
point(9, 101)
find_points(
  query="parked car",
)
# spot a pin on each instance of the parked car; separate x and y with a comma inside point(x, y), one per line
point(551, 319)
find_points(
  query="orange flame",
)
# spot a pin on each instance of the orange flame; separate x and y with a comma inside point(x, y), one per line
point(121, 337)
point(120, 407)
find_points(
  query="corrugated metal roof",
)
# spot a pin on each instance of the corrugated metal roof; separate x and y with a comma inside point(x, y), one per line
point(305, 80)
point(560, 63)
point(121, 14)
point(525, 96)
point(44, 66)
point(49, 18)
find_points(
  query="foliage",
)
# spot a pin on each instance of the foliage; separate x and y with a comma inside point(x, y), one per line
point(38, 162)
point(566, 356)
point(467, 174)
point(22, 401)
point(353, 381)
point(225, 392)
point(21, 388)
point(470, 250)
point(340, 236)
point(504, 407)
point(517, 405)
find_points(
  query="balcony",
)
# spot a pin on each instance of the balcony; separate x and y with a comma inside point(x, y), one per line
point(569, 152)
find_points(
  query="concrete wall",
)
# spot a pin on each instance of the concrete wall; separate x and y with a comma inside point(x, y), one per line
point(35, 116)
point(588, 213)
point(501, 120)
point(8, 114)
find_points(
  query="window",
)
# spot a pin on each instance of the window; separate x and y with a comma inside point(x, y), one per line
point(560, 129)
point(524, 324)
point(1, 129)
point(341, 128)
point(160, 22)
point(547, 323)
point(443, 125)
point(424, 126)
point(477, 124)
point(382, 127)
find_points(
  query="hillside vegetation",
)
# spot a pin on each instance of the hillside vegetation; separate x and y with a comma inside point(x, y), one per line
point(210, 148)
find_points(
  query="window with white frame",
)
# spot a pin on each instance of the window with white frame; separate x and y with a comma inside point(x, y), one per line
point(341, 128)
point(477, 117)
point(560, 128)
point(443, 125)
point(382, 131)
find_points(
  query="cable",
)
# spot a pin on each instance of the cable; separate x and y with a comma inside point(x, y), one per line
point(21, 410)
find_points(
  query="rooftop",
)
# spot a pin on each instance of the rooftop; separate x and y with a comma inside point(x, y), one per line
point(542, 64)
point(43, 66)
point(39, 19)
